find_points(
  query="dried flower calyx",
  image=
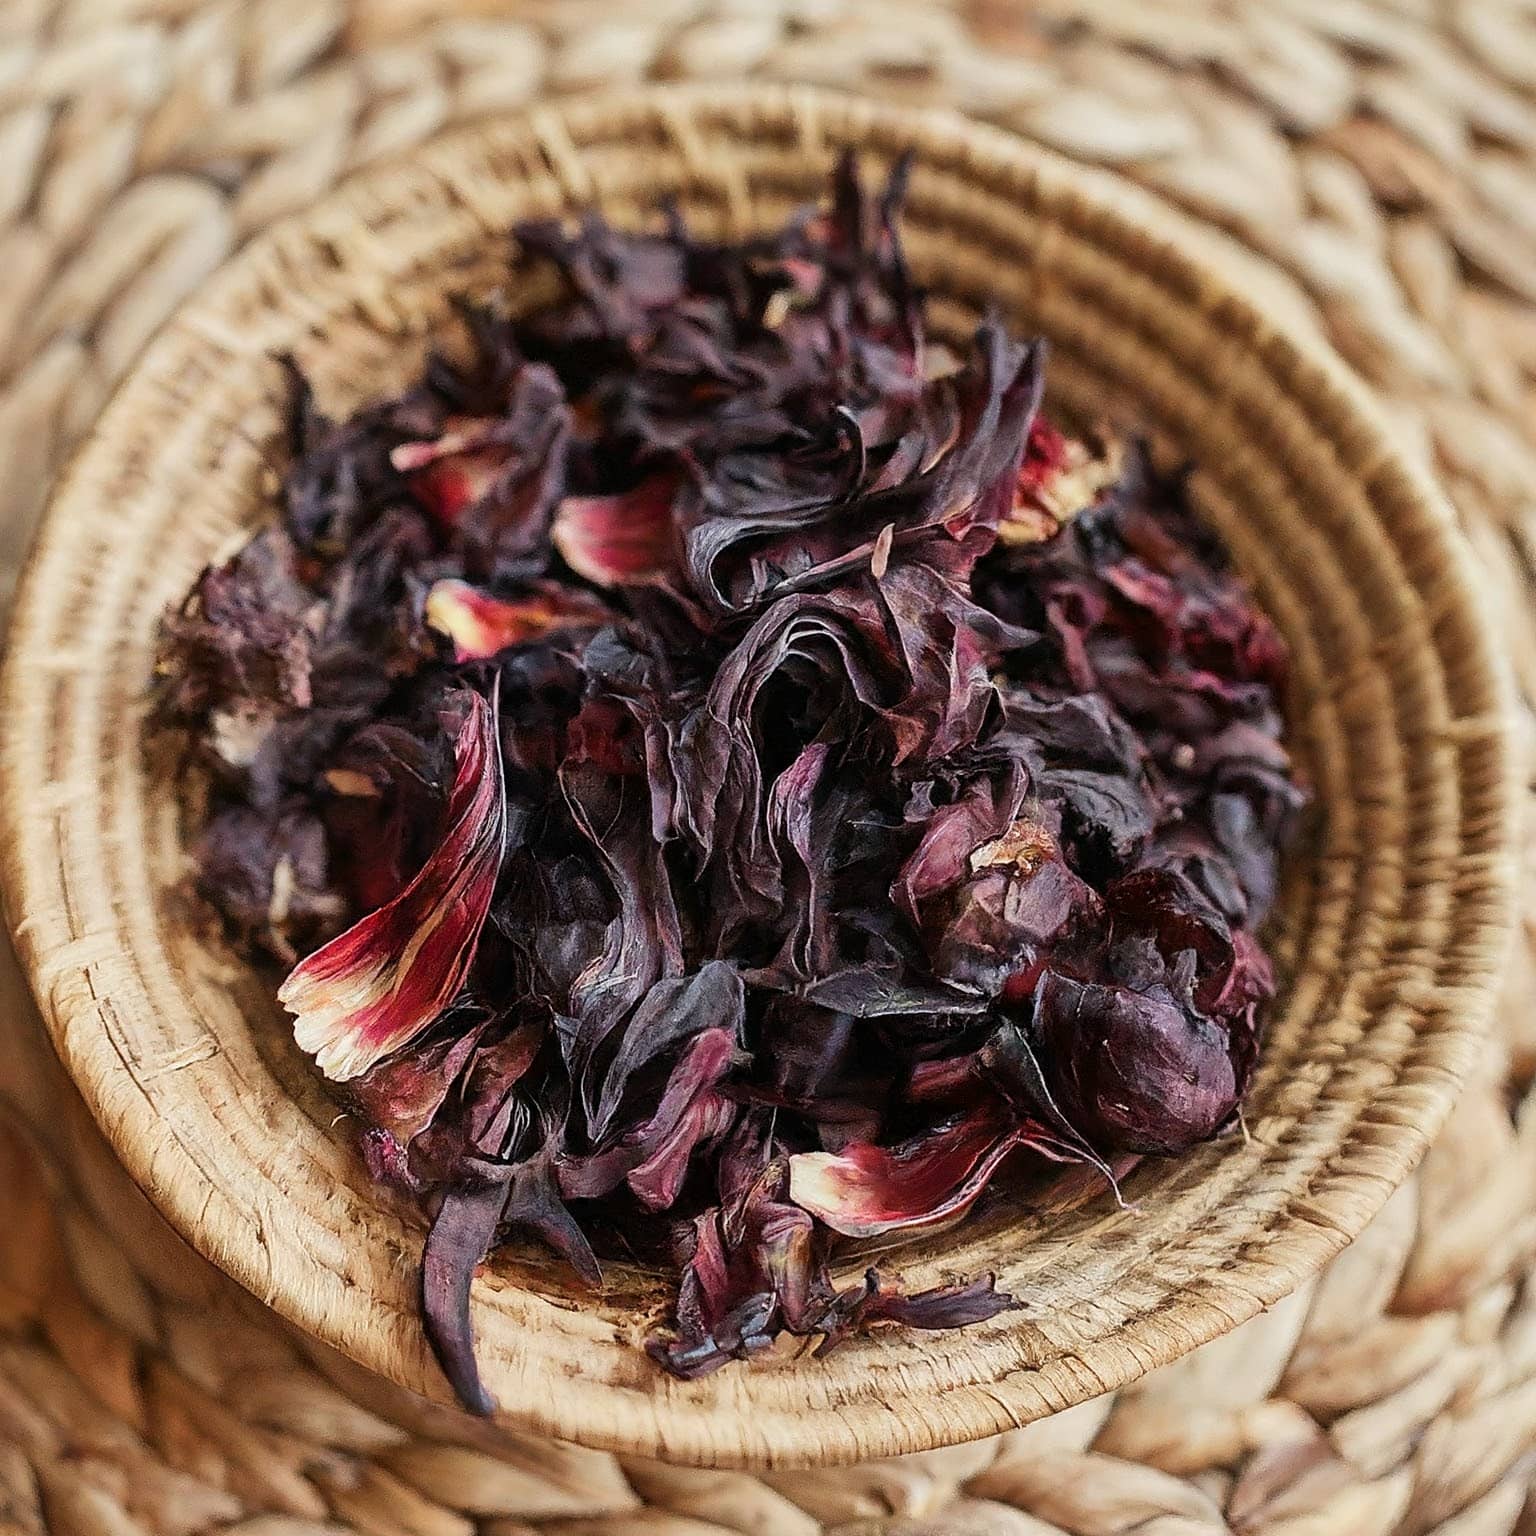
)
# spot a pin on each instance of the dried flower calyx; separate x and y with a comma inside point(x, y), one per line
point(739, 776)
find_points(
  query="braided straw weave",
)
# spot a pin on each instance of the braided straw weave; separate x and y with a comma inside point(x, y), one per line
point(1379, 163)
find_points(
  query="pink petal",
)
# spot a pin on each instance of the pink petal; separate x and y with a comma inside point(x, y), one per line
point(481, 625)
point(654, 1156)
point(656, 1182)
point(452, 472)
point(865, 1190)
point(621, 540)
point(379, 984)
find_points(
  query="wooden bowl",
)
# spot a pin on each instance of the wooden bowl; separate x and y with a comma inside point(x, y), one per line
point(1392, 933)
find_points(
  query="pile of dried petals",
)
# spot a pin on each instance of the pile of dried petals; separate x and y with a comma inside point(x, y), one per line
point(736, 774)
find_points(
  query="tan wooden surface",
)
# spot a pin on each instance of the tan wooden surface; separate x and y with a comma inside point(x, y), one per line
point(1375, 161)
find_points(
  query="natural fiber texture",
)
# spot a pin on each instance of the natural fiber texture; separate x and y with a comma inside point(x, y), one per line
point(1395, 925)
point(1374, 159)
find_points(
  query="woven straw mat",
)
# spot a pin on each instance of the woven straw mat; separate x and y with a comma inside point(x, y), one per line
point(1367, 169)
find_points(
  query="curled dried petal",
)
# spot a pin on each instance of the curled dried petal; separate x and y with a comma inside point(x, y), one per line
point(460, 1237)
point(878, 1301)
point(866, 1190)
point(452, 472)
point(378, 985)
point(1137, 1071)
point(405, 1093)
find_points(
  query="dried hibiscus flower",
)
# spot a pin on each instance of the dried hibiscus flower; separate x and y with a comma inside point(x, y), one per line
point(373, 989)
point(739, 776)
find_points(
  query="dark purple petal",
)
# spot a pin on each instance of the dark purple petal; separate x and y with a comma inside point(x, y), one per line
point(461, 1236)
point(404, 1094)
point(945, 1306)
point(1135, 1071)
point(672, 1011)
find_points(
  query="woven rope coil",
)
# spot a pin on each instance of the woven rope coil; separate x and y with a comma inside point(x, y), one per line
point(1397, 923)
point(1375, 161)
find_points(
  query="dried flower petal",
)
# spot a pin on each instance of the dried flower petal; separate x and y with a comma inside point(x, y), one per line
point(379, 984)
point(452, 472)
point(246, 632)
point(404, 1094)
point(867, 1190)
point(618, 540)
point(460, 1237)
point(876, 1301)
point(1135, 1071)
point(480, 624)
point(1060, 477)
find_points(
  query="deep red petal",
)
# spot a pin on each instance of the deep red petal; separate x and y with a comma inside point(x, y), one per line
point(865, 1190)
point(619, 540)
point(379, 984)
point(481, 625)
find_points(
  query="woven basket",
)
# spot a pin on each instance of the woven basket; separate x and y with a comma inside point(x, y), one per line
point(1395, 920)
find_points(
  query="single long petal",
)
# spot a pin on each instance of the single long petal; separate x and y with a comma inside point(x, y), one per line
point(378, 985)
point(460, 1237)
point(865, 1189)
point(480, 624)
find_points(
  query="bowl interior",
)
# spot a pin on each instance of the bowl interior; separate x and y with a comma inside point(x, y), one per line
point(1390, 933)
